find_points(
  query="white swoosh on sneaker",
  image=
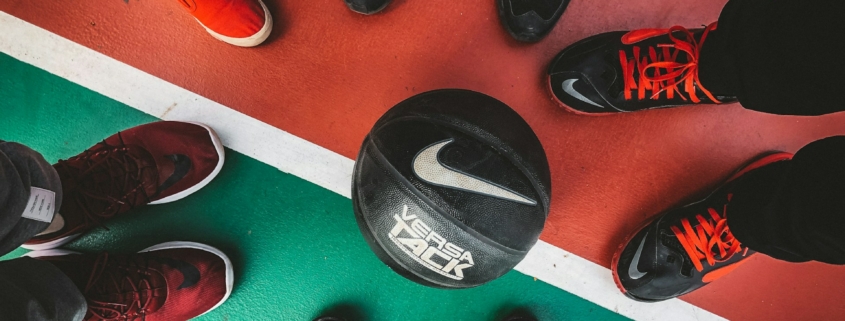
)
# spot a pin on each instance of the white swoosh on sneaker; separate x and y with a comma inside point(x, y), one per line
point(429, 169)
point(569, 89)
point(633, 270)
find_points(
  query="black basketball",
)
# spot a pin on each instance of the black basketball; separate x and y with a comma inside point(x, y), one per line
point(451, 188)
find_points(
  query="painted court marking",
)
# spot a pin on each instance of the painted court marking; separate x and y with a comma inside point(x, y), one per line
point(291, 154)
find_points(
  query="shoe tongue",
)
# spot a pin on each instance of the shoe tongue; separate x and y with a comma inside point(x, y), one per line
point(671, 241)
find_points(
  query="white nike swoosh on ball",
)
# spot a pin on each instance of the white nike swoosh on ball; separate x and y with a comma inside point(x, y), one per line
point(633, 270)
point(569, 89)
point(429, 169)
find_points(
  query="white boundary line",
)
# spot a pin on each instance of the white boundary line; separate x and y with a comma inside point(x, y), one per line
point(291, 154)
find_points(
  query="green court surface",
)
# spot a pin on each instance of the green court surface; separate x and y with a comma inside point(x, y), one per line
point(296, 247)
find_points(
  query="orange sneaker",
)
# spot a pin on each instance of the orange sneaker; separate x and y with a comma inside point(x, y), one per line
point(243, 23)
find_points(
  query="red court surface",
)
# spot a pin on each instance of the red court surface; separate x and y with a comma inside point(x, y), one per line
point(326, 74)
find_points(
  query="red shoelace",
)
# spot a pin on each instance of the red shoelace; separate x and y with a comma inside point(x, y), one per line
point(662, 62)
point(711, 237)
point(123, 172)
point(126, 285)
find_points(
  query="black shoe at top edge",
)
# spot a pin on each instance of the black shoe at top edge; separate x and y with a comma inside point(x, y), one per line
point(367, 6)
point(630, 71)
point(530, 20)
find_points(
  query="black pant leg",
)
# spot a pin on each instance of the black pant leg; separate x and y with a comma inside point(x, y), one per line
point(33, 290)
point(796, 211)
point(21, 170)
point(778, 56)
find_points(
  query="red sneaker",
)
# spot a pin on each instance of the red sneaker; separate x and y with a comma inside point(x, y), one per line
point(243, 23)
point(169, 281)
point(154, 163)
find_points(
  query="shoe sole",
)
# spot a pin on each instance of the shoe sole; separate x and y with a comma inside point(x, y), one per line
point(230, 273)
point(218, 146)
point(614, 263)
point(52, 244)
point(250, 41)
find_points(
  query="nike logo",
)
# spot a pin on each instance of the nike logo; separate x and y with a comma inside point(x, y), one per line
point(569, 89)
point(633, 270)
point(190, 273)
point(429, 169)
point(181, 166)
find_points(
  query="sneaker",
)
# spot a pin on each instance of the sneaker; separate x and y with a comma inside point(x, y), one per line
point(154, 163)
point(685, 248)
point(169, 281)
point(367, 6)
point(530, 20)
point(243, 23)
point(630, 71)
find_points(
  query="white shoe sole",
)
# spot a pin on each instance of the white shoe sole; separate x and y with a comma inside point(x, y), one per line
point(230, 273)
point(221, 154)
point(250, 41)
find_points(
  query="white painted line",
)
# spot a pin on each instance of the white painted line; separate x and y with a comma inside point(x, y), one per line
point(594, 282)
point(167, 101)
point(291, 154)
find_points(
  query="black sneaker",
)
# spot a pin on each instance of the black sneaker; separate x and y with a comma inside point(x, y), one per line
point(366, 6)
point(630, 71)
point(530, 20)
point(683, 249)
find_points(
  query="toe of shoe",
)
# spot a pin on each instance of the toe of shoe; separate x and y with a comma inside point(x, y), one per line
point(193, 148)
point(573, 91)
point(200, 277)
point(527, 27)
point(367, 6)
point(247, 29)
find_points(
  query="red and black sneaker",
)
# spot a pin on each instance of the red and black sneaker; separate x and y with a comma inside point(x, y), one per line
point(685, 248)
point(630, 71)
point(169, 281)
point(154, 163)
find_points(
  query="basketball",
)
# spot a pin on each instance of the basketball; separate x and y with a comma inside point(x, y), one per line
point(451, 188)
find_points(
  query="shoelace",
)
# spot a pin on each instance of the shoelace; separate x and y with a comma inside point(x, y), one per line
point(710, 237)
point(125, 174)
point(128, 292)
point(668, 73)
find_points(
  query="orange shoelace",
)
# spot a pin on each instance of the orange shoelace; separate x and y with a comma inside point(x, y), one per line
point(710, 237)
point(667, 73)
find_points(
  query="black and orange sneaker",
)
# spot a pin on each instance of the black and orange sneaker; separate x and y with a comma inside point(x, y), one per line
point(630, 71)
point(153, 163)
point(685, 248)
point(169, 281)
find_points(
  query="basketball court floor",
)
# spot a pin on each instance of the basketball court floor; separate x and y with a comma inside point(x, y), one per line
point(294, 111)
